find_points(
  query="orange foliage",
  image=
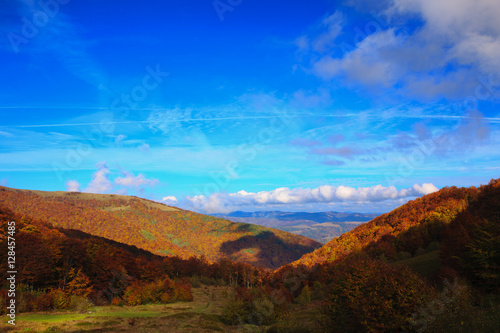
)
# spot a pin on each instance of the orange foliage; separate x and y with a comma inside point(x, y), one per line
point(144, 224)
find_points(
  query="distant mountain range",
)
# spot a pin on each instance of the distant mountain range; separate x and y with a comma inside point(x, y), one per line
point(322, 226)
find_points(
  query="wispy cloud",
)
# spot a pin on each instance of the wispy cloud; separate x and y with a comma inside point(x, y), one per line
point(61, 38)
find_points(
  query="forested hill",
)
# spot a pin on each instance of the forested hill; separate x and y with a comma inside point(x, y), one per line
point(158, 228)
point(449, 218)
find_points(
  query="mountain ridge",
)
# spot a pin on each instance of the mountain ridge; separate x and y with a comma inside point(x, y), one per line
point(320, 226)
point(160, 229)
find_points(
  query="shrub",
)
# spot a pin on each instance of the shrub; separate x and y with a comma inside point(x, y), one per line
point(61, 300)
point(317, 291)
point(117, 301)
point(134, 294)
point(258, 306)
point(420, 251)
point(195, 281)
point(183, 292)
point(80, 304)
point(207, 281)
point(153, 291)
point(402, 255)
point(304, 297)
point(221, 282)
point(370, 295)
point(45, 302)
point(26, 302)
point(159, 291)
point(234, 312)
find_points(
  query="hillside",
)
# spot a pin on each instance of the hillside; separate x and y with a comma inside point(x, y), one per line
point(320, 226)
point(387, 275)
point(430, 231)
point(158, 228)
point(400, 232)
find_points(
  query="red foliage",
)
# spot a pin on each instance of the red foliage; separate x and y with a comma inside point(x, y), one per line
point(153, 227)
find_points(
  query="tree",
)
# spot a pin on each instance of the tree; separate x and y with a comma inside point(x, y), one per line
point(79, 284)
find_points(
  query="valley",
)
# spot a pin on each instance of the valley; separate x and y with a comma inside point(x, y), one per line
point(442, 244)
point(321, 226)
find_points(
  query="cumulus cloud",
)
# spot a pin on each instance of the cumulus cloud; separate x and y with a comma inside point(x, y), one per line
point(227, 202)
point(456, 42)
point(100, 182)
point(132, 181)
point(169, 200)
point(72, 186)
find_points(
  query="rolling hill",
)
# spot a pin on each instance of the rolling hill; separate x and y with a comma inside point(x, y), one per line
point(158, 228)
point(320, 226)
point(446, 221)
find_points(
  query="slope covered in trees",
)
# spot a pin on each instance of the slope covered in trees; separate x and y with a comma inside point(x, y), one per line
point(431, 265)
point(158, 228)
point(374, 279)
point(401, 232)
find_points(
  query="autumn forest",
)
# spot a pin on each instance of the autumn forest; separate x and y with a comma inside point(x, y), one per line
point(80, 250)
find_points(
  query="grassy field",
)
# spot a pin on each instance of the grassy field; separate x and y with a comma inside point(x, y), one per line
point(201, 315)
point(102, 197)
point(427, 265)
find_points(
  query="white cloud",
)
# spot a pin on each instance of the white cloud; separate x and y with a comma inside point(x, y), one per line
point(100, 182)
point(458, 42)
point(170, 199)
point(72, 186)
point(227, 202)
point(132, 181)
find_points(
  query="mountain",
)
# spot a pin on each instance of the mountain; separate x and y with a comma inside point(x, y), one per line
point(321, 226)
point(387, 275)
point(158, 228)
point(422, 226)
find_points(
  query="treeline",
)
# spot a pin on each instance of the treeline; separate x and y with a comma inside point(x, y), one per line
point(60, 268)
point(159, 229)
point(411, 227)
point(365, 288)
point(360, 282)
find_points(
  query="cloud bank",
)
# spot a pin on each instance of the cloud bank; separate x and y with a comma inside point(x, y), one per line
point(227, 202)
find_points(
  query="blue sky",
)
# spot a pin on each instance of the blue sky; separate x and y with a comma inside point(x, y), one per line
point(250, 105)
